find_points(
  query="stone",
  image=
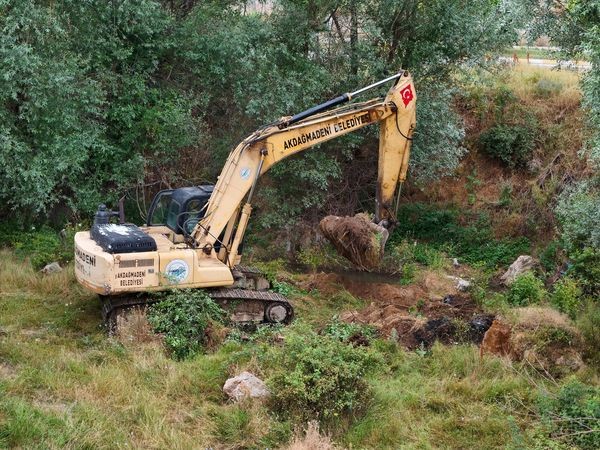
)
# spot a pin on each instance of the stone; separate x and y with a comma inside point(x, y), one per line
point(461, 283)
point(51, 268)
point(455, 263)
point(245, 385)
point(521, 265)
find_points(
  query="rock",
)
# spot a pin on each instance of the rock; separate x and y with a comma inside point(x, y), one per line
point(455, 263)
point(522, 264)
point(51, 268)
point(461, 283)
point(496, 339)
point(245, 385)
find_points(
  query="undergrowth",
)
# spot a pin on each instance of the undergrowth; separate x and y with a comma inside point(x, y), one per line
point(184, 318)
point(466, 235)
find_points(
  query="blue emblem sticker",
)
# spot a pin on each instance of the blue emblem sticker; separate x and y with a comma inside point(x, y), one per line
point(177, 271)
point(245, 173)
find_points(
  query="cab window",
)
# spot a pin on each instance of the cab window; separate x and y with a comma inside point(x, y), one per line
point(160, 208)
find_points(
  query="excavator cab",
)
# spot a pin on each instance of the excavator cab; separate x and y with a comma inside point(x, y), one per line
point(179, 209)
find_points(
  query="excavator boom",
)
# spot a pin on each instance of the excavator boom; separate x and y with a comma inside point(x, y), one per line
point(265, 147)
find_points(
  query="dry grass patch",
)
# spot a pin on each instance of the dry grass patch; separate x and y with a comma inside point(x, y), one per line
point(311, 439)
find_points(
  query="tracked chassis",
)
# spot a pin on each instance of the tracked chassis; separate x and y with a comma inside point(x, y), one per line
point(248, 301)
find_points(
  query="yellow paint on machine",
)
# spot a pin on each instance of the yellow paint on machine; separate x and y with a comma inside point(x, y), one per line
point(109, 274)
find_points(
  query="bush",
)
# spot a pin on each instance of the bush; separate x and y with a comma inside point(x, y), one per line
point(585, 269)
point(41, 246)
point(588, 323)
point(573, 414)
point(350, 332)
point(467, 236)
point(318, 376)
point(525, 290)
point(184, 317)
point(511, 144)
point(566, 296)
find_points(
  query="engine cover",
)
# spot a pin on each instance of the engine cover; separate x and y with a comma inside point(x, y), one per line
point(125, 238)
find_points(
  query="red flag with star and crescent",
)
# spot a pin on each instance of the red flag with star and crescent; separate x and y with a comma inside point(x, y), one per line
point(407, 95)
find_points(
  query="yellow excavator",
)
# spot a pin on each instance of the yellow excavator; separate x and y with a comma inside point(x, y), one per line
point(193, 236)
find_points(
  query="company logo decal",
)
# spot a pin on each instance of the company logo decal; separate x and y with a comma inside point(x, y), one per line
point(407, 95)
point(245, 173)
point(177, 271)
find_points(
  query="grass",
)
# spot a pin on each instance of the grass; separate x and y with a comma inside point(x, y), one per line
point(65, 384)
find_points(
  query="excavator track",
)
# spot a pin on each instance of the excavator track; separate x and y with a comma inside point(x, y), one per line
point(244, 305)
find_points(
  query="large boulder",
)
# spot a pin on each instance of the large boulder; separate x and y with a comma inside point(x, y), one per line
point(245, 385)
point(521, 265)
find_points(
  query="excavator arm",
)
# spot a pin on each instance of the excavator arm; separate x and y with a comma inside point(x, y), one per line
point(227, 214)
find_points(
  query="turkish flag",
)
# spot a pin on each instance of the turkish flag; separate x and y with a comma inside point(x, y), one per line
point(407, 95)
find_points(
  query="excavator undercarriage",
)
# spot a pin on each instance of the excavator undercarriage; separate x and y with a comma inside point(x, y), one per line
point(248, 301)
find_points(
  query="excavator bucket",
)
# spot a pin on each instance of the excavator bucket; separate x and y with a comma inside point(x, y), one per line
point(356, 238)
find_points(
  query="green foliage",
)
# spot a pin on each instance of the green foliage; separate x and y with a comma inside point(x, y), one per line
point(578, 211)
point(573, 414)
point(348, 332)
point(566, 296)
point(588, 323)
point(41, 246)
point(82, 114)
point(464, 235)
point(511, 144)
point(549, 255)
point(318, 376)
point(184, 317)
point(586, 269)
point(525, 290)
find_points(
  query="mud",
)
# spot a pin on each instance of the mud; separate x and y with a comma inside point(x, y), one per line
point(416, 315)
point(356, 238)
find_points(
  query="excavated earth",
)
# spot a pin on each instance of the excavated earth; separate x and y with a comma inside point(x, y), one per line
point(416, 315)
point(356, 238)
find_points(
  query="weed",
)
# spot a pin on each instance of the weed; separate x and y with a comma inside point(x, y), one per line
point(184, 317)
point(588, 322)
point(573, 414)
point(444, 229)
point(472, 183)
point(566, 296)
point(348, 332)
point(586, 269)
point(525, 290)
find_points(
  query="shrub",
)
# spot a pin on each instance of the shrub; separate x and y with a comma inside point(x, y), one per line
point(349, 332)
point(511, 144)
point(318, 375)
point(41, 246)
point(184, 317)
point(566, 296)
point(588, 323)
point(573, 414)
point(586, 269)
point(467, 236)
point(526, 289)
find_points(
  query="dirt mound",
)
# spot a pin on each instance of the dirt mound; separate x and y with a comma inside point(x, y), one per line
point(544, 338)
point(497, 339)
point(356, 238)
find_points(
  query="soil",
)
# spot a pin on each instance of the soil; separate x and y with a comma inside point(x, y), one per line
point(416, 315)
point(356, 238)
